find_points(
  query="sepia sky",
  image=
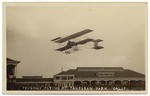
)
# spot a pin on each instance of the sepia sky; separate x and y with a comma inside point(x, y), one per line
point(30, 27)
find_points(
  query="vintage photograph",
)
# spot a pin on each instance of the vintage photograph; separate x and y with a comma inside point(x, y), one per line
point(75, 47)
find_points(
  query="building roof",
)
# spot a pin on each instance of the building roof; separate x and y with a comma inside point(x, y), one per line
point(11, 61)
point(39, 80)
point(32, 77)
point(69, 72)
point(93, 74)
point(99, 68)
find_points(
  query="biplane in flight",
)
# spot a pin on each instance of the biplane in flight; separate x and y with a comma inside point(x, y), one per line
point(72, 46)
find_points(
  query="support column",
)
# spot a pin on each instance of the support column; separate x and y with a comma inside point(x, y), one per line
point(81, 83)
point(89, 83)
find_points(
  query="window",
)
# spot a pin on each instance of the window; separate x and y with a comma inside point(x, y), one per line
point(105, 74)
point(57, 77)
point(64, 77)
point(70, 77)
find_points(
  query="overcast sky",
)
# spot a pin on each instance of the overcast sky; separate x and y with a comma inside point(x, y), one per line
point(31, 27)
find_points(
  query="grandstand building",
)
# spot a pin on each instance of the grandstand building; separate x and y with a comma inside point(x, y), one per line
point(34, 83)
point(100, 76)
point(11, 73)
point(81, 78)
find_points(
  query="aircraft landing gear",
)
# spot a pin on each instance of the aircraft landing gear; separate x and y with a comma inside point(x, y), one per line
point(75, 49)
point(67, 52)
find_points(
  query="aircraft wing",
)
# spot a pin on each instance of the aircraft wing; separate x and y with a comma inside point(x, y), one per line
point(63, 48)
point(75, 35)
point(56, 39)
point(83, 41)
point(97, 40)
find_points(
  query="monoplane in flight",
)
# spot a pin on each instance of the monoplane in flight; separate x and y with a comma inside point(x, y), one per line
point(72, 44)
